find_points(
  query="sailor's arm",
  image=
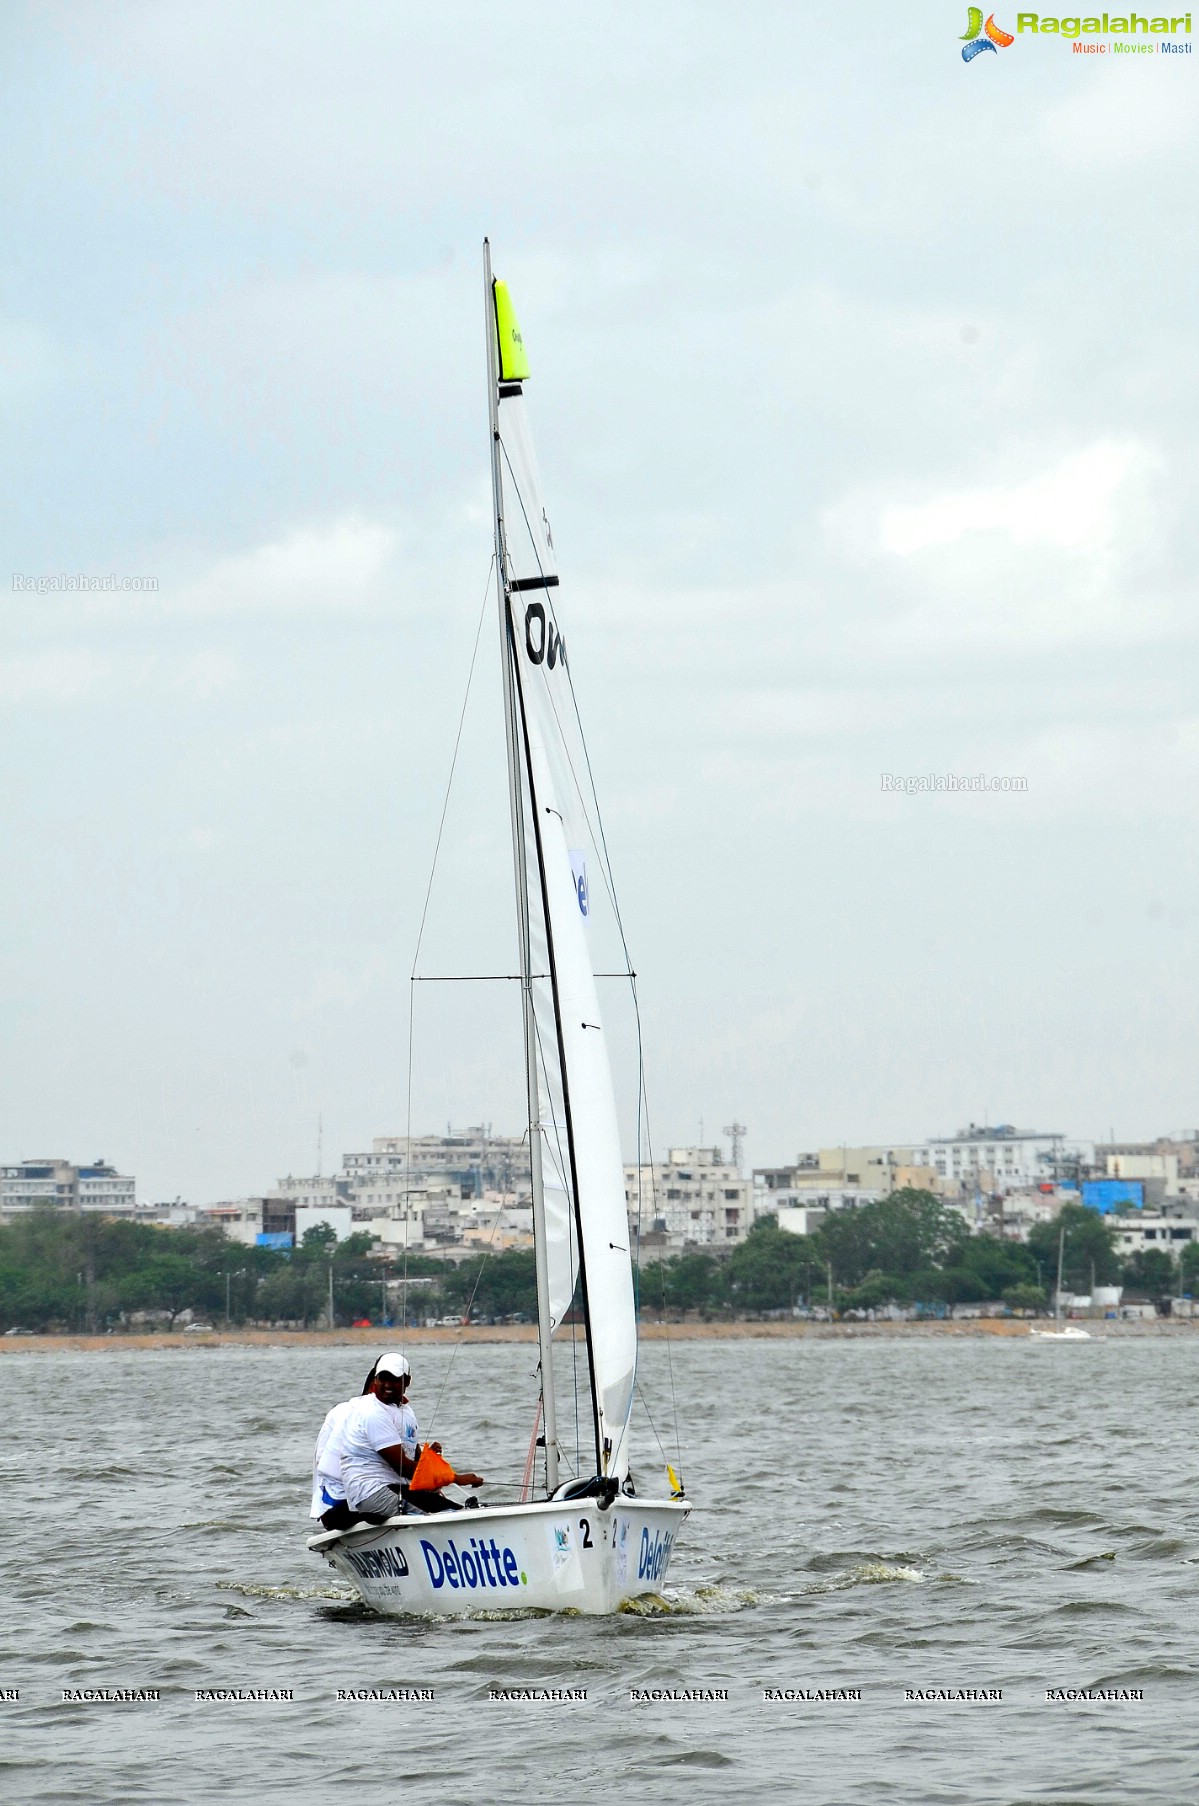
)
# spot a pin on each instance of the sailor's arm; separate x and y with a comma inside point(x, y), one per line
point(395, 1457)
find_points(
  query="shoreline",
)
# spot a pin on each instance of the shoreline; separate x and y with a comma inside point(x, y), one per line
point(749, 1331)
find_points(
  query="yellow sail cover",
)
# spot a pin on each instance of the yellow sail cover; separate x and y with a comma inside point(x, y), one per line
point(514, 365)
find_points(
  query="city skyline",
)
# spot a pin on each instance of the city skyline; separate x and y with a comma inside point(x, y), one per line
point(358, 1164)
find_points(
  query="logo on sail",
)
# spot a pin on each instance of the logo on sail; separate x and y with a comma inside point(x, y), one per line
point(578, 869)
point(543, 643)
point(974, 39)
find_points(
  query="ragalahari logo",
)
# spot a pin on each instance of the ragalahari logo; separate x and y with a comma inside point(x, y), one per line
point(974, 41)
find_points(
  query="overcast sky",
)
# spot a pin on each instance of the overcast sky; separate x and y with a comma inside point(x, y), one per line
point(864, 392)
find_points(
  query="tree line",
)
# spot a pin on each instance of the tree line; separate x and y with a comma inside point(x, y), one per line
point(906, 1249)
point(83, 1273)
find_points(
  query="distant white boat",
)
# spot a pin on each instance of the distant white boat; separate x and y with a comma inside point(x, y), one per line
point(1061, 1332)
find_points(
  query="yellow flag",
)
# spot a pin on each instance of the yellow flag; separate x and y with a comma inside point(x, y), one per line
point(676, 1485)
point(514, 365)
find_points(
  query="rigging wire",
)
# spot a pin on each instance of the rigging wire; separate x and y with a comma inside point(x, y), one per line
point(653, 1426)
point(421, 935)
point(526, 1485)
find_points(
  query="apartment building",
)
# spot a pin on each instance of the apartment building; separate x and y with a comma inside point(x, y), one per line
point(838, 1178)
point(1167, 1230)
point(694, 1197)
point(1001, 1158)
point(65, 1186)
point(475, 1159)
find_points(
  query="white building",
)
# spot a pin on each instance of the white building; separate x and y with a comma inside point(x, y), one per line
point(240, 1219)
point(693, 1197)
point(1163, 1167)
point(97, 1187)
point(1021, 1209)
point(427, 1191)
point(800, 1219)
point(474, 1159)
point(839, 1178)
point(1138, 1230)
point(1000, 1158)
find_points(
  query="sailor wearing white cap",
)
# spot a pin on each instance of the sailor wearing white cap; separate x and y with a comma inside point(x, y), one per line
point(370, 1451)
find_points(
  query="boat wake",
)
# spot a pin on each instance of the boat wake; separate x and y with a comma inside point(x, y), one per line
point(694, 1602)
point(865, 1574)
point(698, 1602)
point(252, 1590)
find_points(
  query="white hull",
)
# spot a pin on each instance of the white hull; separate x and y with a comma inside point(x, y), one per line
point(555, 1556)
point(1061, 1335)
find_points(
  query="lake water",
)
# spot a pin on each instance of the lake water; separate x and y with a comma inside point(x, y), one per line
point(880, 1515)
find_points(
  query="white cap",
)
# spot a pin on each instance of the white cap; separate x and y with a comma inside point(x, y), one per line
point(394, 1363)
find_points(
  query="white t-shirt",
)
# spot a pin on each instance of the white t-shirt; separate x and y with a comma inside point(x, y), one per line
point(326, 1461)
point(357, 1437)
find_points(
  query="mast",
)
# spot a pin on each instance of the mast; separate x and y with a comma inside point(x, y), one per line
point(520, 869)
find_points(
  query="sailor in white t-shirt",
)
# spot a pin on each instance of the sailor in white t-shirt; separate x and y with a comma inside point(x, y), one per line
point(368, 1449)
point(378, 1448)
point(327, 1489)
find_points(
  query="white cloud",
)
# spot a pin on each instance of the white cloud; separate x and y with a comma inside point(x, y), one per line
point(1081, 504)
point(203, 674)
point(340, 988)
point(334, 569)
point(60, 675)
point(29, 357)
point(69, 674)
point(1115, 121)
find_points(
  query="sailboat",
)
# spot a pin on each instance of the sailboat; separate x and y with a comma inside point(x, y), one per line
point(1068, 1332)
point(591, 1542)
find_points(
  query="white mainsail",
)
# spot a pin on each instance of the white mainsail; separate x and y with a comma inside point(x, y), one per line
point(572, 1108)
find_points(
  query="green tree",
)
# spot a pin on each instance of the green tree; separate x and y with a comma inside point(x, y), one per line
point(318, 1242)
point(1025, 1298)
point(1153, 1272)
point(166, 1281)
point(294, 1292)
point(766, 1272)
point(690, 1282)
point(1090, 1242)
point(495, 1285)
point(997, 1264)
point(908, 1232)
point(875, 1289)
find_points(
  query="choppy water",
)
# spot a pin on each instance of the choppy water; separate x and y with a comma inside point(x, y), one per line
point(878, 1515)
